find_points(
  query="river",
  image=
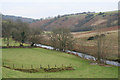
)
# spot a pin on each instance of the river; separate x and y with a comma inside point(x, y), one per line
point(89, 57)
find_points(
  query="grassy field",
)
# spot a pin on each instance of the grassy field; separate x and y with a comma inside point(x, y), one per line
point(37, 56)
point(11, 42)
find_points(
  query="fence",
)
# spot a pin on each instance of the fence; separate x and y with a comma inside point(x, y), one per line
point(33, 66)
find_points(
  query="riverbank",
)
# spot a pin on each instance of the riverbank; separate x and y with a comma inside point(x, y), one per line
point(85, 56)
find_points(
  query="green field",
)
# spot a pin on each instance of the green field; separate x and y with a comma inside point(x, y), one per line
point(12, 42)
point(37, 56)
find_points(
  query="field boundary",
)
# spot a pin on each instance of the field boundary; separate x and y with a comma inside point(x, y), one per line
point(32, 69)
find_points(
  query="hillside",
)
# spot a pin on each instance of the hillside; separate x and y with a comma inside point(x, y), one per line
point(14, 18)
point(85, 21)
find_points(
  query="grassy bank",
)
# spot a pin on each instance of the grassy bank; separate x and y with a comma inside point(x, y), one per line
point(37, 56)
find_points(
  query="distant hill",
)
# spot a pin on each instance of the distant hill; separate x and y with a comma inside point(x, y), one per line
point(14, 18)
point(85, 21)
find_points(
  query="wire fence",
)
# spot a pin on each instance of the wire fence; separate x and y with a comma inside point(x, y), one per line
point(33, 66)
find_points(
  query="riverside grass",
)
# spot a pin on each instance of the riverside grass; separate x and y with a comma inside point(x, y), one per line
point(37, 56)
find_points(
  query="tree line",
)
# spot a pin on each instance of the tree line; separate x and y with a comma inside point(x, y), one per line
point(60, 38)
point(18, 31)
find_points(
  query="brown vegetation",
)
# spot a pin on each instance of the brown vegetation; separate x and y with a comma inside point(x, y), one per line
point(41, 70)
point(78, 22)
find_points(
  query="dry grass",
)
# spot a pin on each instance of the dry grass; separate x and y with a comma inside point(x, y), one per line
point(89, 46)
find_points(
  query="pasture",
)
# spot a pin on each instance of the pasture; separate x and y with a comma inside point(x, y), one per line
point(12, 42)
point(37, 56)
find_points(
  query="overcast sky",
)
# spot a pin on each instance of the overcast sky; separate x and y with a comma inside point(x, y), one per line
point(44, 8)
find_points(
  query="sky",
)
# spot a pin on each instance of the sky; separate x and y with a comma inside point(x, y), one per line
point(49, 8)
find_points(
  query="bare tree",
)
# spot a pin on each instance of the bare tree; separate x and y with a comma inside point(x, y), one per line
point(6, 30)
point(35, 36)
point(20, 32)
point(61, 39)
point(103, 44)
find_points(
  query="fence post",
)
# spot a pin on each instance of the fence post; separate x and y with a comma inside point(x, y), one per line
point(48, 66)
point(31, 66)
point(62, 65)
point(40, 66)
point(22, 66)
point(13, 66)
point(55, 65)
point(3, 63)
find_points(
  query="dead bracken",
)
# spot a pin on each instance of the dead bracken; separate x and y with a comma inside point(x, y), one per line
point(41, 70)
